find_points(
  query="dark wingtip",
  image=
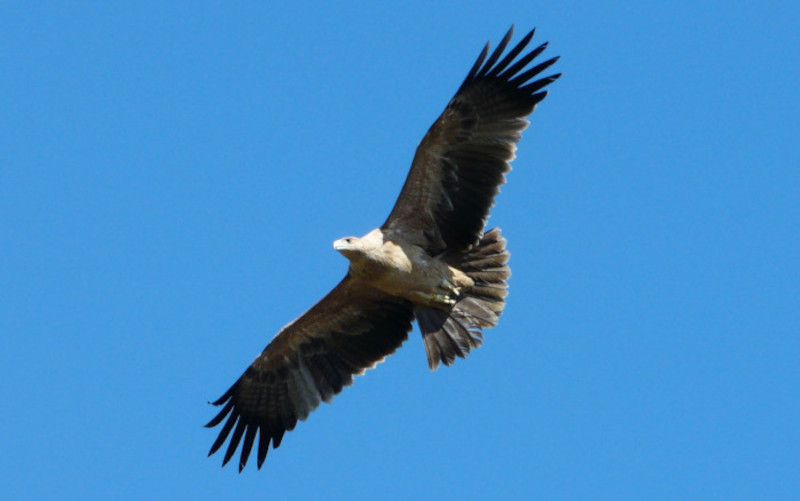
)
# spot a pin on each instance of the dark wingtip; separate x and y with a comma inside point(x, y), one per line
point(498, 51)
point(512, 54)
point(509, 33)
point(225, 396)
point(235, 439)
point(477, 66)
point(247, 446)
point(490, 65)
point(223, 434)
point(263, 445)
point(220, 416)
point(521, 79)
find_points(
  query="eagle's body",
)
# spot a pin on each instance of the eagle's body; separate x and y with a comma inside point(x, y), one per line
point(430, 261)
point(403, 269)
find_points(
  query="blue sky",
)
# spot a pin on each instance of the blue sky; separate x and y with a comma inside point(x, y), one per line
point(172, 176)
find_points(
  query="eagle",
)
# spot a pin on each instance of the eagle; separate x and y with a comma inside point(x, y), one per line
point(431, 261)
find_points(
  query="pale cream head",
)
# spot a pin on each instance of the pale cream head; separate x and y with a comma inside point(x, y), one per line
point(349, 247)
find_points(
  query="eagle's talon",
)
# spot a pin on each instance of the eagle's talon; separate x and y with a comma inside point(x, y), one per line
point(443, 299)
point(451, 288)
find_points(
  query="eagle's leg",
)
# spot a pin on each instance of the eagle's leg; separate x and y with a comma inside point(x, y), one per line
point(456, 283)
point(446, 293)
point(446, 299)
point(440, 300)
point(450, 289)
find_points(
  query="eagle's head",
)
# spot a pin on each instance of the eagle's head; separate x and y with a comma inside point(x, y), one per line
point(354, 248)
point(349, 247)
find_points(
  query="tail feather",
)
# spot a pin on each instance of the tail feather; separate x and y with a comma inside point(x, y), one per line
point(451, 334)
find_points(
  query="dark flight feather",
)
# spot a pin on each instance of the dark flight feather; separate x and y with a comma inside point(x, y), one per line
point(310, 360)
point(462, 160)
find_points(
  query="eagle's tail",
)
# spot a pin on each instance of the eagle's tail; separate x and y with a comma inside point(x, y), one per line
point(455, 333)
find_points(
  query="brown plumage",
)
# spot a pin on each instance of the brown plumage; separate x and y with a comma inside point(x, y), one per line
point(431, 260)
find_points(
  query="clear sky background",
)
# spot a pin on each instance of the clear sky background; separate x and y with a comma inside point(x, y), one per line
point(172, 175)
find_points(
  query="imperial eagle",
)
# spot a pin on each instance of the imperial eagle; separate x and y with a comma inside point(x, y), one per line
point(430, 261)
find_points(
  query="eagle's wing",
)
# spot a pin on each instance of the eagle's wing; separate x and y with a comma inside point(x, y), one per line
point(460, 163)
point(351, 329)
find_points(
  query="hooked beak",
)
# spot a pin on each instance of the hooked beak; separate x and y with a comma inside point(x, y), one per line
point(340, 245)
point(346, 246)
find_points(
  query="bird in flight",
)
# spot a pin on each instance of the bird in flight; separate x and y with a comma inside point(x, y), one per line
point(430, 261)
